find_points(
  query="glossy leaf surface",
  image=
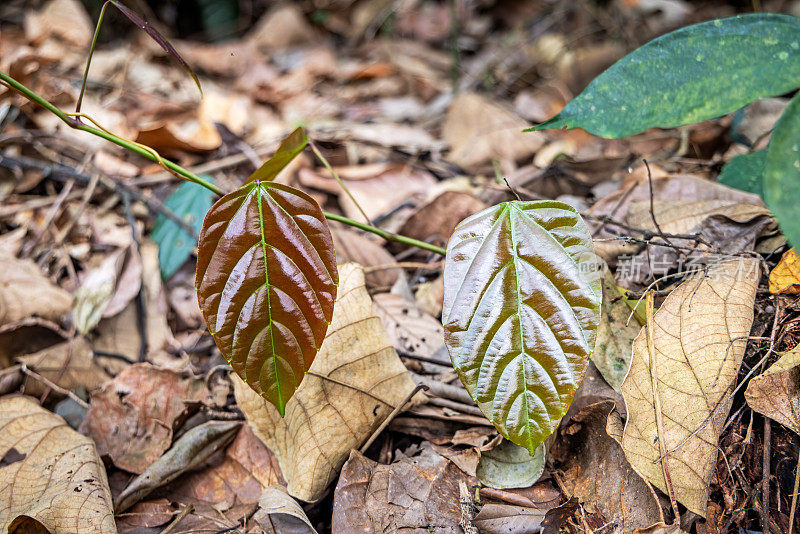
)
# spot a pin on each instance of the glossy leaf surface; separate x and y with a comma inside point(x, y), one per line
point(266, 283)
point(745, 172)
point(782, 172)
point(289, 148)
point(521, 310)
point(190, 202)
point(690, 75)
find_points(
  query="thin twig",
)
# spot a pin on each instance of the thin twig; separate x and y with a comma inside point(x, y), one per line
point(52, 385)
point(766, 475)
point(657, 405)
point(141, 302)
point(188, 509)
point(399, 408)
point(794, 494)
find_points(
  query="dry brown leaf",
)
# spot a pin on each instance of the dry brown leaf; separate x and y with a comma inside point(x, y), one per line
point(132, 417)
point(51, 477)
point(674, 188)
point(246, 468)
point(70, 364)
point(598, 473)
point(327, 417)
point(478, 131)
point(785, 277)
point(25, 292)
point(107, 288)
point(378, 188)
point(279, 513)
point(192, 135)
point(774, 392)
point(119, 334)
point(412, 494)
point(409, 329)
point(435, 221)
point(683, 216)
point(699, 336)
point(430, 297)
point(282, 27)
point(66, 19)
point(351, 246)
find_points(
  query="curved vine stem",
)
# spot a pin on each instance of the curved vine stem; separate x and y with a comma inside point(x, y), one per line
point(151, 154)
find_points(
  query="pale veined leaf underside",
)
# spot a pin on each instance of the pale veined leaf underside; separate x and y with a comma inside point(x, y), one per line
point(521, 310)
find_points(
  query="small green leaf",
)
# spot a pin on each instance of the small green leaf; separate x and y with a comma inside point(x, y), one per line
point(266, 283)
point(521, 311)
point(782, 172)
point(289, 148)
point(690, 75)
point(190, 202)
point(510, 466)
point(745, 172)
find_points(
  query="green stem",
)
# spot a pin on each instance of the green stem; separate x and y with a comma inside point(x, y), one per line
point(186, 174)
point(386, 235)
point(328, 166)
point(91, 53)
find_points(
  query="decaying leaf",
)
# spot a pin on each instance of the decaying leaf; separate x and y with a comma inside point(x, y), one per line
point(25, 291)
point(412, 494)
point(51, 478)
point(478, 131)
point(189, 451)
point(266, 283)
point(132, 417)
point(409, 329)
point(774, 392)
point(521, 308)
point(699, 336)
point(598, 474)
point(353, 247)
point(510, 466)
point(505, 518)
point(785, 277)
point(107, 288)
point(279, 513)
point(353, 384)
point(230, 483)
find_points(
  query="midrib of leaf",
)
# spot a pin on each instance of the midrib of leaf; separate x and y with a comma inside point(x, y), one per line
point(515, 257)
point(281, 407)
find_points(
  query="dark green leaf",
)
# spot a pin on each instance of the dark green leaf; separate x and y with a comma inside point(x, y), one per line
point(290, 147)
point(745, 172)
point(690, 75)
point(266, 282)
point(521, 310)
point(782, 172)
point(190, 202)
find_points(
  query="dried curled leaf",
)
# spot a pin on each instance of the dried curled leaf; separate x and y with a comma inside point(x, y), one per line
point(699, 336)
point(266, 283)
point(51, 479)
point(521, 311)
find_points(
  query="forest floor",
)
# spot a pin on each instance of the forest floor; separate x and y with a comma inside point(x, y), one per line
point(419, 106)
